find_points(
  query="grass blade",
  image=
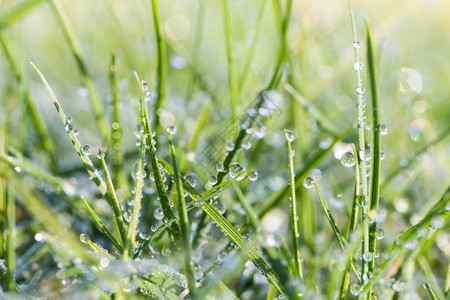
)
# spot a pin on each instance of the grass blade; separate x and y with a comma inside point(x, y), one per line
point(94, 246)
point(184, 223)
point(86, 79)
point(76, 143)
point(430, 291)
point(18, 13)
point(162, 64)
point(10, 236)
point(295, 234)
point(2, 191)
point(102, 226)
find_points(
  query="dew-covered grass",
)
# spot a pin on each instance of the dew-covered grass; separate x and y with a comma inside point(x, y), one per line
point(224, 150)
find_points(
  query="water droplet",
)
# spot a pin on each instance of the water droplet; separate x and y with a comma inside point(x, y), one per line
point(165, 251)
point(219, 167)
point(220, 207)
point(356, 45)
point(145, 88)
point(360, 201)
point(245, 124)
point(158, 213)
point(83, 238)
point(348, 159)
point(98, 173)
point(383, 129)
point(273, 100)
point(365, 155)
point(367, 257)
point(100, 154)
point(252, 112)
point(191, 179)
point(139, 131)
point(358, 66)
point(230, 146)
point(355, 288)
point(398, 285)
point(237, 171)
point(360, 90)
point(221, 256)
point(308, 182)
point(379, 234)
point(212, 180)
point(253, 176)
point(68, 127)
point(258, 131)
point(172, 130)
point(76, 132)
point(382, 155)
point(289, 135)
point(86, 150)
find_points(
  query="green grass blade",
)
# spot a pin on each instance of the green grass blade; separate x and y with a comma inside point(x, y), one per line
point(116, 140)
point(232, 75)
point(431, 285)
point(184, 223)
point(251, 214)
point(95, 247)
point(2, 191)
point(86, 79)
point(18, 13)
point(102, 226)
point(162, 64)
point(430, 291)
point(150, 143)
point(114, 201)
point(37, 118)
point(295, 234)
point(375, 174)
point(10, 236)
point(76, 143)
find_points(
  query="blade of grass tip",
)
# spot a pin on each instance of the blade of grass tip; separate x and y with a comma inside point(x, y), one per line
point(150, 143)
point(116, 141)
point(18, 13)
point(430, 291)
point(352, 225)
point(94, 246)
point(294, 216)
point(10, 236)
point(37, 118)
point(276, 198)
point(252, 51)
point(76, 143)
point(102, 226)
point(437, 212)
point(184, 223)
point(162, 64)
point(75, 48)
point(431, 284)
point(113, 198)
point(375, 164)
point(232, 75)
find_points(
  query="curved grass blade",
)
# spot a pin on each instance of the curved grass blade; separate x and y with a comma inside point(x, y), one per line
point(76, 143)
point(184, 223)
point(162, 64)
point(18, 13)
point(86, 79)
point(102, 226)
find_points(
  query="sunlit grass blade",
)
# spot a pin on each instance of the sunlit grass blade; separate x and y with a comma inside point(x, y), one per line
point(162, 64)
point(95, 247)
point(18, 13)
point(295, 234)
point(437, 212)
point(114, 201)
point(430, 291)
point(76, 143)
point(102, 226)
point(375, 163)
point(149, 142)
point(38, 120)
point(431, 285)
point(276, 198)
point(75, 49)
point(232, 75)
point(184, 222)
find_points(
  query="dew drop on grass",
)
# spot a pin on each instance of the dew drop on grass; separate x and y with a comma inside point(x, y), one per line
point(100, 154)
point(358, 66)
point(145, 89)
point(360, 90)
point(172, 129)
point(252, 112)
point(382, 155)
point(98, 173)
point(289, 135)
point(253, 176)
point(348, 159)
point(308, 182)
point(230, 146)
point(258, 131)
point(379, 234)
point(86, 150)
point(158, 213)
point(191, 179)
point(212, 180)
point(367, 257)
point(68, 127)
point(356, 45)
point(220, 207)
point(365, 155)
point(76, 132)
point(355, 288)
point(237, 171)
point(383, 129)
point(221, 256)
point(398, 285)
point(165, 251)
point(83, 238)
point(139, 131)
point(219, 167)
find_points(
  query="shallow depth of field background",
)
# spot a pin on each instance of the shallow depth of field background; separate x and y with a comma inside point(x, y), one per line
point(411, 40)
